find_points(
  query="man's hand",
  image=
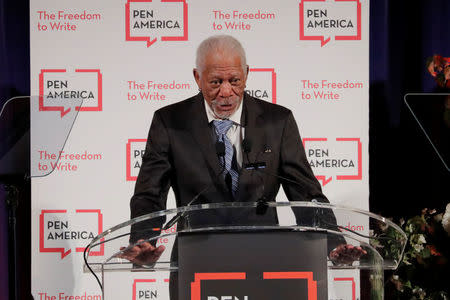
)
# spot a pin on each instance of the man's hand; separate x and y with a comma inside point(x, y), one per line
point(346, 254)
point(143, 253)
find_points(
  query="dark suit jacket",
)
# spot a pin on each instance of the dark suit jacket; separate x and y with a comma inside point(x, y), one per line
point(181, 153)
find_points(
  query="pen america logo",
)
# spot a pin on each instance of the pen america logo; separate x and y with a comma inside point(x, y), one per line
point(199, 285)
point(340, 159)
point(262, 84)
point(323, 19)
point(63, 90)
point(134, 151)
point(152, 20)
point(347, 283)
point(344, 284)
point(61, 231)
point(150, 289)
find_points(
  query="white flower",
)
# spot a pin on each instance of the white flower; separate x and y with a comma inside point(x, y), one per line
point(421, 293)
point(421, 239)
point(418, 247)
point(446, 219)
point(410, 228)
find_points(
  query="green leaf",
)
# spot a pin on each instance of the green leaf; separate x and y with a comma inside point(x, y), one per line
point(408, 284)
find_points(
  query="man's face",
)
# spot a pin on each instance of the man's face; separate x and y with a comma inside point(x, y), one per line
point(222, 83)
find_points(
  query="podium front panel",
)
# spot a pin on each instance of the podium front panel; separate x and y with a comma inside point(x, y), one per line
point(257, 265)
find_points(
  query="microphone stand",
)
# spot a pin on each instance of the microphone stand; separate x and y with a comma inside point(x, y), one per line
point(12, 201)
point(262, 202)
point(220, 150)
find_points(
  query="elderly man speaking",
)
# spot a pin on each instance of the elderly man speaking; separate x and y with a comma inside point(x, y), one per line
point(182, 150)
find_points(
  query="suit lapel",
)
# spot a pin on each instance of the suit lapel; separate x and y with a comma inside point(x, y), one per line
point(253, 121)
point(201, 132)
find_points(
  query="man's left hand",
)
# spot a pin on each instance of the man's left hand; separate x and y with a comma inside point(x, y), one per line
point(346, 254)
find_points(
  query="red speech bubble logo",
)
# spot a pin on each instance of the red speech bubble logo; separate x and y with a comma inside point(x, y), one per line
point(198, 277)
point(136, 282)
point(42, 107)
point(256, 89)
point(149, 39)
point(311, 283)
point(352, 280)
point(64, 252)
point(99, 106)
point(326, 36)
point(131, 144)
point(61, 108)
point(138, 293)
point(323, 178)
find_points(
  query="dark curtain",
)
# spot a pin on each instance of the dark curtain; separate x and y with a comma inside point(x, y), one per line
point(406, 174)
point(14, 81)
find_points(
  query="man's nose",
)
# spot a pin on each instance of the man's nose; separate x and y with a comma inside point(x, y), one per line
point(225, 90)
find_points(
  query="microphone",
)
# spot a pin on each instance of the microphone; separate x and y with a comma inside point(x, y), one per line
point(258, 165)
point(320, 216)
point(220, 151)
point(262, 203)
point(261, 206)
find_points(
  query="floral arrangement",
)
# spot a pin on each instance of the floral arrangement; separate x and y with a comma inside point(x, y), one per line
point(439, 68)
point(424, 271)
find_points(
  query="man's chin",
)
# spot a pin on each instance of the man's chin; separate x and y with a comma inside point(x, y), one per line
point(224, 111)
point(223, 115)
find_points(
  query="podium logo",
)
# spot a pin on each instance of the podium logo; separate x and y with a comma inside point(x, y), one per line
point(323, 19)
point(227, 298)
point(61, 90)
point(135, 151)
point(148, 289)
point(201, 278)
point(262, 84)
point(150, 20)
point(340, 159)
point(61, 231)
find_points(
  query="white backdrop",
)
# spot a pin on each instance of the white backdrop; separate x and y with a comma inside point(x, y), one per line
point(126, 59)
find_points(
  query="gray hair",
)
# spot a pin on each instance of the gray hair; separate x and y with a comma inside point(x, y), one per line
point(222, 43)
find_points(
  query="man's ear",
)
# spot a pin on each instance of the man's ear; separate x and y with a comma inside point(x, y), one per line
point(197, 77)
point(246, 73)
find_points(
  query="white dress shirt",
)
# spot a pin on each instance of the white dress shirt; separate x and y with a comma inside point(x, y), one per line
point(235, 133)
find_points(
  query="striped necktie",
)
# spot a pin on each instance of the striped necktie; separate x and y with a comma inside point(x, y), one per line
point(226, 162)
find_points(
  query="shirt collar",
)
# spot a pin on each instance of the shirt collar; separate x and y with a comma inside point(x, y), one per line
point(235, 117)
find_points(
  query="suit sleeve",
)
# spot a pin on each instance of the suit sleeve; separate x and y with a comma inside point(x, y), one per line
point(153, 181)
point(295, 166)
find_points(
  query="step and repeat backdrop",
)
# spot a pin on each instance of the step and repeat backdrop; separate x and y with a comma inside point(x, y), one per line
point(124, 59)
